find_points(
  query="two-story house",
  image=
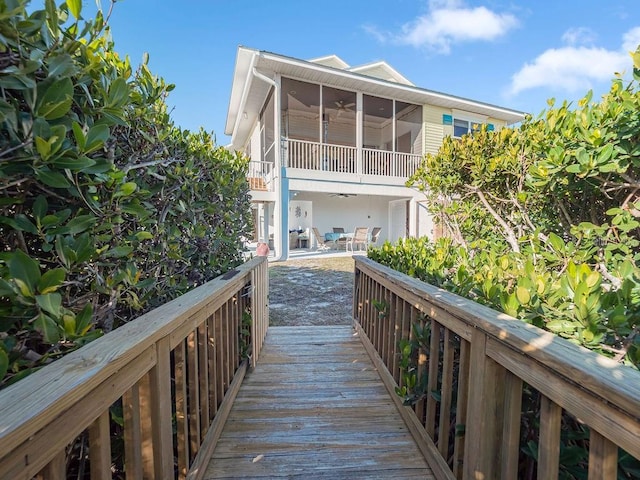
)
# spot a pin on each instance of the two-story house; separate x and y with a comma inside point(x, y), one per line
point(333, 145)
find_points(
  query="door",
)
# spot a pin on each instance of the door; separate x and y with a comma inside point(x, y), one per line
point(398, 220)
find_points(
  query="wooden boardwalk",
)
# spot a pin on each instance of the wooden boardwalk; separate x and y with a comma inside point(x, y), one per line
point(315, 407)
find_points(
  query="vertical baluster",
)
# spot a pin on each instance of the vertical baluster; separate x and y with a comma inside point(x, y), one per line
point(212, 367)
point(100, 447)
point(203, 377)
point(132, 432)
point(461, 408)
point(182, 426)
point(549, 443)
point(484, 412)
point(511, 431)
point(421, 360)
point(432, 382)
point(603, 457)
point(446, 394)
point(386, 328)
point(56, 469)
point(218, 318)
point(193, 406)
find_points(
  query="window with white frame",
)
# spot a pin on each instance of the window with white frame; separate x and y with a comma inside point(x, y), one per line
point(464, 122)
point(462, 127)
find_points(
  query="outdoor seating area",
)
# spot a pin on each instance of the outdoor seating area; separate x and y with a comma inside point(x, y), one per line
point(360, 238)
point(299, 238)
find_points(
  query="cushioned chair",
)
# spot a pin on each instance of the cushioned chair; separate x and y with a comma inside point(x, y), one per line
point(338, 230)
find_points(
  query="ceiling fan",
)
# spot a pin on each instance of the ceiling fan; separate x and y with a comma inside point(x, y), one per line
point(343, 195)
point(342, 107)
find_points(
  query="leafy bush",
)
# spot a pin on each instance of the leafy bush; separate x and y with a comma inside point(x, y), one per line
point(543, 220)
point(107, 208)
point(542, 224)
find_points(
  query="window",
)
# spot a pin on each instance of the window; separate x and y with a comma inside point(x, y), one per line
point(462, 127)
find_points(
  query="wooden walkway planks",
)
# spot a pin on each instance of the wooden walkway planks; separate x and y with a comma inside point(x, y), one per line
point(315, 406)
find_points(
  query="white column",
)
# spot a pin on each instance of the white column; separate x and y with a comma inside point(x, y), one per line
point(359, 133)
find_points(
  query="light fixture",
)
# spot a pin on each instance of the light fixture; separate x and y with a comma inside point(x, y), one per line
point(244, 115)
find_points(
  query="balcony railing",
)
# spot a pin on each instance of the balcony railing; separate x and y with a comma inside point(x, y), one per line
point(344, 159)
point(260, 176)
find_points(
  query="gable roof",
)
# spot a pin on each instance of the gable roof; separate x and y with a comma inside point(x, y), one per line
point(383, 70)
point(331, 61)
point(255, 71)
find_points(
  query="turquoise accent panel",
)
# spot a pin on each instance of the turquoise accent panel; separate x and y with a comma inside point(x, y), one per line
point(490, 127)
point(447, 119)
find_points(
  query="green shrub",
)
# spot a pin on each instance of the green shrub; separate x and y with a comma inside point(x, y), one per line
point(107, 208)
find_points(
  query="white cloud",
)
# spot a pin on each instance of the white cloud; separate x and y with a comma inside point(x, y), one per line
point(631, 40)
point(574, 69)
point(579, 36)
point(449, 22)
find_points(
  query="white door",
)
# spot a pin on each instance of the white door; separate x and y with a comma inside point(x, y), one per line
point(397, 220)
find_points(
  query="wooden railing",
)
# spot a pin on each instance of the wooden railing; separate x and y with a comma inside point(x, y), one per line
point(260, 176)
point(343, 159)
point(172, 373)
point(477, 365)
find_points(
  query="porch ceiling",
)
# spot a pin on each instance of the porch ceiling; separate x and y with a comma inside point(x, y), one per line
point(255, 90)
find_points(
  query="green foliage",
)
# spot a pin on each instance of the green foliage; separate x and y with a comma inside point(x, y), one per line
point(107, 209)
point(543, 220)
point(542, 224)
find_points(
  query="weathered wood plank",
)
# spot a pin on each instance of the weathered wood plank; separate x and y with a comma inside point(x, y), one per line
point(330, 418)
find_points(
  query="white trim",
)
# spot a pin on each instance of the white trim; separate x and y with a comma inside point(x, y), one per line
point(362, 69)
point(472, 117)
point(335, 58)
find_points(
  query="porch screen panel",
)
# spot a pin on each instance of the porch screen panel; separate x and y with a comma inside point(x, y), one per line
point(300, 110)
point(268, 129)
point(377, 126)
point(339, 117)
point(408, 128)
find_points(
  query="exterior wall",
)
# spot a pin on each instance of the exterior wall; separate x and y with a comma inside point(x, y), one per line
point(424, 221)
point(497, 124)
point(300, 215)
point(434, 130)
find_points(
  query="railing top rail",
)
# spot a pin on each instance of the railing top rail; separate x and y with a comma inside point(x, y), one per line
point(26, 405)
point(594, 373)
point(310, 142)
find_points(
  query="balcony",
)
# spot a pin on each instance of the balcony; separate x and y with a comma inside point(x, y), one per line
point(261, 179)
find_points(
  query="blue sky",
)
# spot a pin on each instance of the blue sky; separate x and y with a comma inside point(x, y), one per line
point(512, 53)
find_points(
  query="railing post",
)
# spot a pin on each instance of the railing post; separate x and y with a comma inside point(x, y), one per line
point(484, 414)
point(159, 401)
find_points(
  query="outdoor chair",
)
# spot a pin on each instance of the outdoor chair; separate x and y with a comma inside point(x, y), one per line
point(360, 237)
point(338, 230)
point(375, 233)
point(321, 243)
point(293, 239)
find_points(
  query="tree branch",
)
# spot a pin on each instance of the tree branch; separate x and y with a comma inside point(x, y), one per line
point(508, 232)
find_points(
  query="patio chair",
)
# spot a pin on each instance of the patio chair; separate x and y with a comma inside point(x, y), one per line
point(321, 243)
point(338, 230)
point(375, 233)
point(360, 237)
